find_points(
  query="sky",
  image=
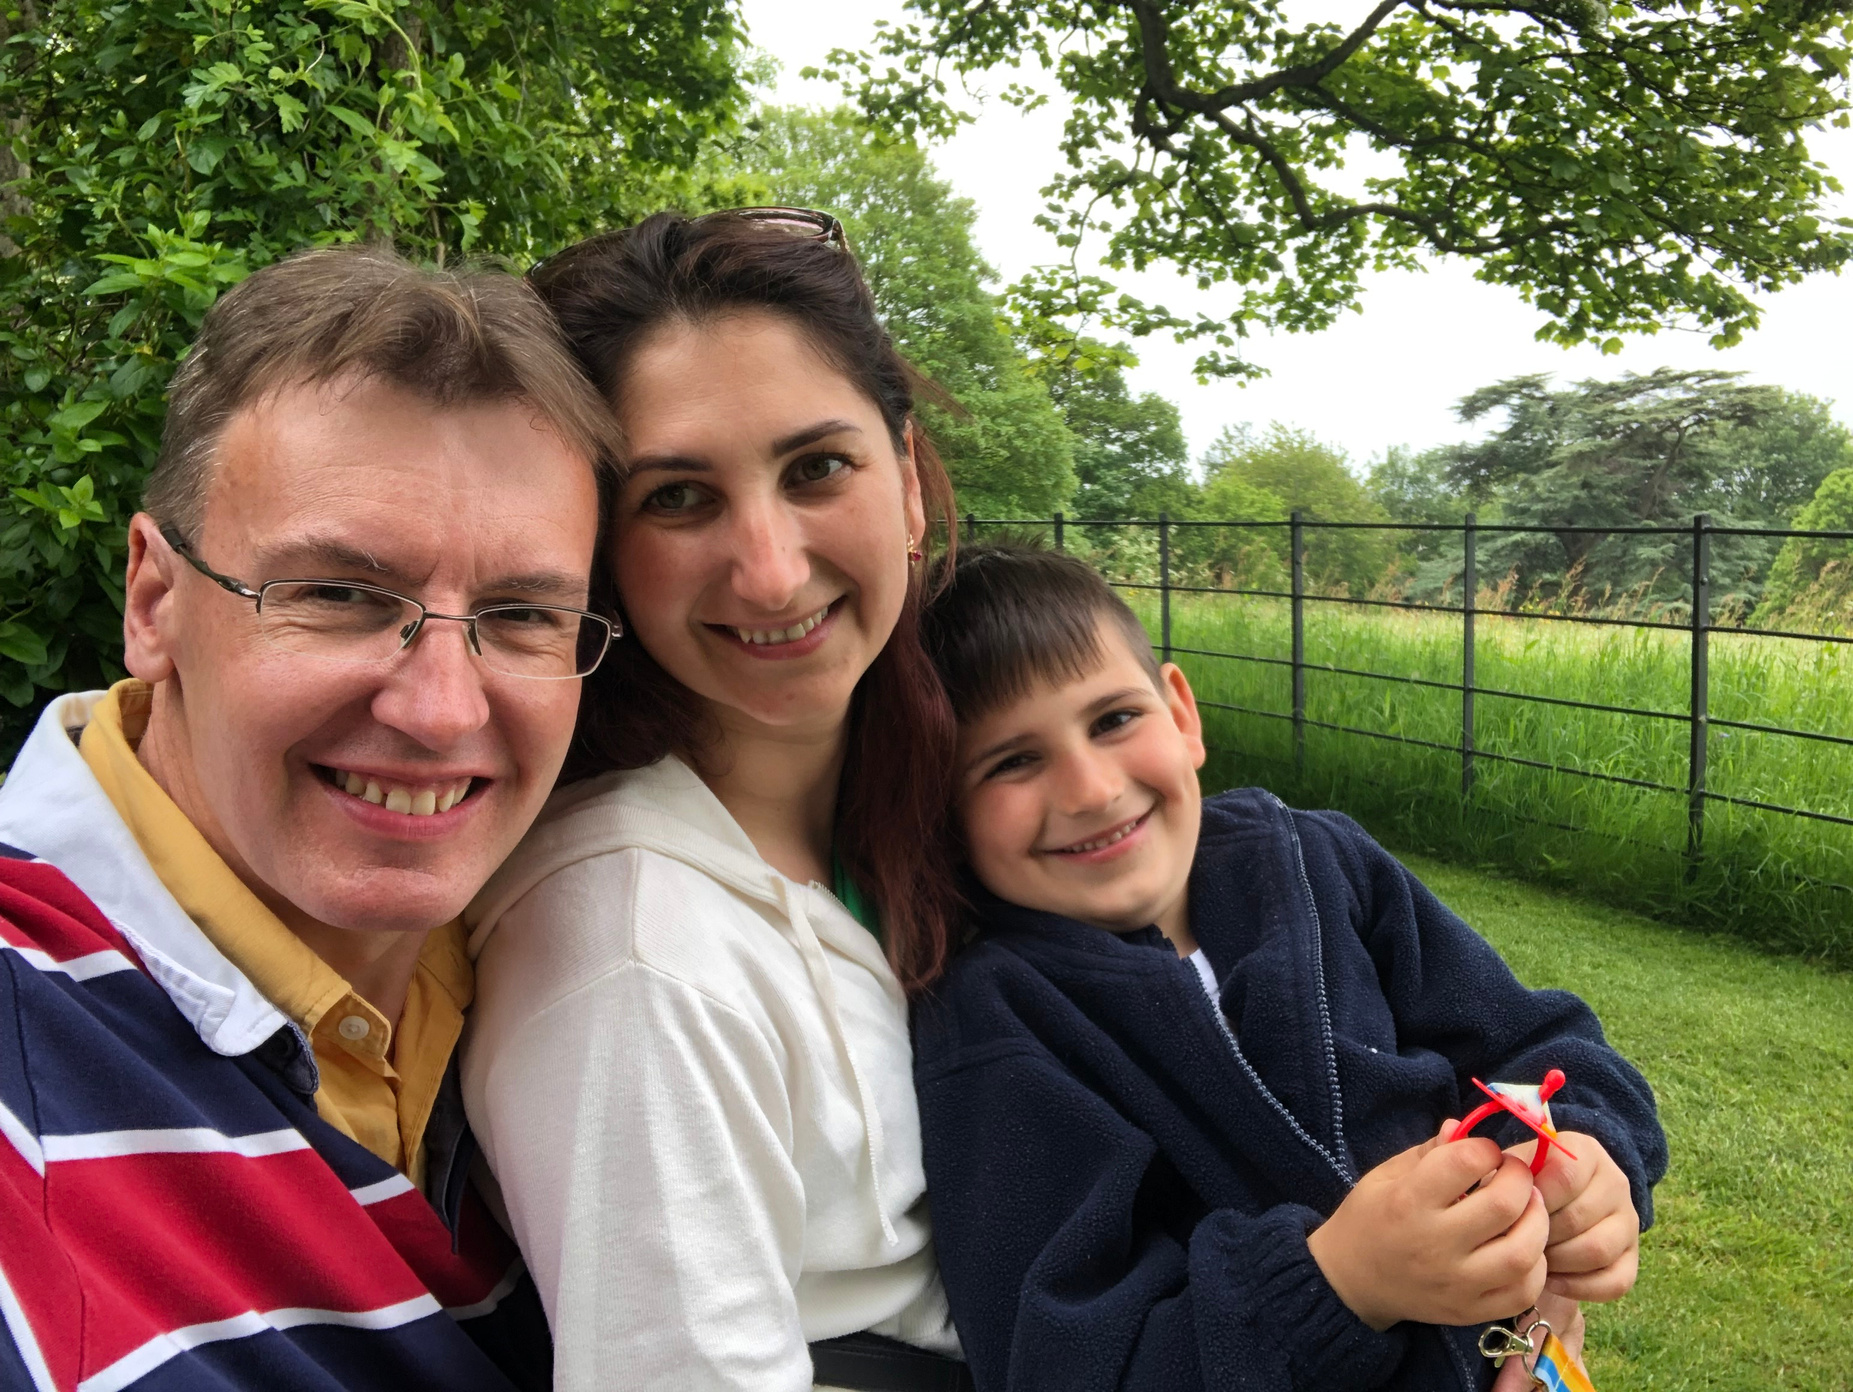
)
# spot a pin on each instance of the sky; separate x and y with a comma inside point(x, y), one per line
point(1388, 375)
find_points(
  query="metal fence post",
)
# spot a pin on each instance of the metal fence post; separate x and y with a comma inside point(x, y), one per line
point(971, 526)
point(1298, 537)
point(1470, 591)
point(1058, 533)
point(1701, 690)
point(1164, 582)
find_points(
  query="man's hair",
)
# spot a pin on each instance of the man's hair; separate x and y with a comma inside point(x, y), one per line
point(354, 313)
point(1010, 615)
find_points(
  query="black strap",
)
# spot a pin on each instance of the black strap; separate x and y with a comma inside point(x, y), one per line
point(871, 1363)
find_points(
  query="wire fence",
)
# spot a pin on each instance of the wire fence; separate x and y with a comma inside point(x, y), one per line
point(1699, 626)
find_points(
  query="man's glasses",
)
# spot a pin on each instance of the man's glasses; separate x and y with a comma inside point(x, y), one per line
point(349, 621)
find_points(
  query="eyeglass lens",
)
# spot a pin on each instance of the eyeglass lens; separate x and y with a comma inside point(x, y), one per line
point(352, 623)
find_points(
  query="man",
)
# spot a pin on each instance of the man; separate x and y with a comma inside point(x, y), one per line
point(232, 977)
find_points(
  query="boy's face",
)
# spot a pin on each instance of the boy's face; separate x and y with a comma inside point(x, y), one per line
point(1081, 798)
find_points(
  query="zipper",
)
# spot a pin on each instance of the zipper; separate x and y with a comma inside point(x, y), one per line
point(1267, 1093)
point(1325, 1010)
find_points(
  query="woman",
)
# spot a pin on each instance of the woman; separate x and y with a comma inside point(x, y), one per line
point(689, 1064)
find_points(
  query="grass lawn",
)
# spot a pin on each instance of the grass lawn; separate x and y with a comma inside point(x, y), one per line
point(1780, 880)
point(1747, 1275)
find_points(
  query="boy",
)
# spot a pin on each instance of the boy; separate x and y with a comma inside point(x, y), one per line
point(1203, 1147)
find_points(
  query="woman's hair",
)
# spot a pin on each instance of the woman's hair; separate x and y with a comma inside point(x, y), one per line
point(1007, 616)
point(611, 293)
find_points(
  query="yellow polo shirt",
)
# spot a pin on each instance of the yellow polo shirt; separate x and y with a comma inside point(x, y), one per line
point(376, 1088)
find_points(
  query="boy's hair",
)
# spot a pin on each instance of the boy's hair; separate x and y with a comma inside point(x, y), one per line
point(1009, 615)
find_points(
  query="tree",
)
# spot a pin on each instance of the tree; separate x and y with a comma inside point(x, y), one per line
point(1811, 581)
point(1245, 470)
point(1005, 444)
point(1416, 488)
point(1644, 450)
point(162, 150)
point(1131, 459)
point(1622, 165)
point(1130, 456)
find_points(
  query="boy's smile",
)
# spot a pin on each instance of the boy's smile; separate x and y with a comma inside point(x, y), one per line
point(1080, 797)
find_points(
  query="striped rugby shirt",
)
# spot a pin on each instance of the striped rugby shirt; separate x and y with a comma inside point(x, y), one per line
point(173, 1212)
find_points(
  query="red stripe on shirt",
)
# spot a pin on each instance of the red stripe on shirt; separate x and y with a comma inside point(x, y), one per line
point(167, 1241)
point(39, 1273)
point(40, 908)
point(464, 1278)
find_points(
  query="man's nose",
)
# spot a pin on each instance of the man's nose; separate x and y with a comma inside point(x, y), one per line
point(434, 691)
point(770, 566)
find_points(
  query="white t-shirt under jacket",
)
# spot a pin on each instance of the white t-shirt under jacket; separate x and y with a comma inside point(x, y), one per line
point(693, 1081)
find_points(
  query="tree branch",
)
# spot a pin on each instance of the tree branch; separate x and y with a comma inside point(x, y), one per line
point(1155, 39)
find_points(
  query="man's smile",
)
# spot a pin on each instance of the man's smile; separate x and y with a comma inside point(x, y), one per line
point(412, 799)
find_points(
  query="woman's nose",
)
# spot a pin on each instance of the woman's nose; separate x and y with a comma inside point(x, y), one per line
point(770, 564)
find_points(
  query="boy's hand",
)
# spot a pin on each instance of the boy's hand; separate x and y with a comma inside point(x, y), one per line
point(1594, 1250)
point(1406, 1245)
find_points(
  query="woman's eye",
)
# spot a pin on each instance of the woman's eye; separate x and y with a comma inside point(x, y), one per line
point(1010, 764)
point(818, 468)
point(673, 497)
point(1114, 720)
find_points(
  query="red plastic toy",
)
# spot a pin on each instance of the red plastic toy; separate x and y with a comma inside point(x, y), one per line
point(1530, 1103)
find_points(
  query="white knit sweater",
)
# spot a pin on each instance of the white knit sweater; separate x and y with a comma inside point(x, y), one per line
point(693, 1081)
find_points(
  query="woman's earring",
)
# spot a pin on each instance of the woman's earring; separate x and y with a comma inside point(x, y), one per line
point(914, 553)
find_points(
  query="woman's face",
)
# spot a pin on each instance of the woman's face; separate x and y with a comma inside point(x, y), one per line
point(760, 540)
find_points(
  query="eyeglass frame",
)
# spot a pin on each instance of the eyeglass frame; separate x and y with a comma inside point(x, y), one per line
point(614, 627)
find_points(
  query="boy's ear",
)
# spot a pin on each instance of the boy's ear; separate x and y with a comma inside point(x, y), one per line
point(1181, 701)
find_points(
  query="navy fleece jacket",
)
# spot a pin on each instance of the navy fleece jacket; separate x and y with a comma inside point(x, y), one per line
point(1123, 1182)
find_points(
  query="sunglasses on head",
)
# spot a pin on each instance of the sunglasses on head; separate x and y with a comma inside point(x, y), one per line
point(802, 221)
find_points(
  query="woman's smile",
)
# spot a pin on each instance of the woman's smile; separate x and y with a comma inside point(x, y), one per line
point(782, 642)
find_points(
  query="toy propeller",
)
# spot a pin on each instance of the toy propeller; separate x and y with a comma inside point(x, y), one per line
point(1530, 1103)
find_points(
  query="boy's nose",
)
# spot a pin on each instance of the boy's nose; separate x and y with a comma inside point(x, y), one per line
point(1088, 784)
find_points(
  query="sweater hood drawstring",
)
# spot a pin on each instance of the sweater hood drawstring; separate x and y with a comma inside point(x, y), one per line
point(812, 951)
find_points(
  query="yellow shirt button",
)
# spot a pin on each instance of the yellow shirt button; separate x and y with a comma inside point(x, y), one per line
point(354, 1028)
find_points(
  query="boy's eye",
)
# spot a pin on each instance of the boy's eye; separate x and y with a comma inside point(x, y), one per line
point(1114, 720)
point(818, 467)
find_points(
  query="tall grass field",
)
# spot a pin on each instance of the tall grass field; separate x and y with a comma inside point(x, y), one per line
point(1779, 880)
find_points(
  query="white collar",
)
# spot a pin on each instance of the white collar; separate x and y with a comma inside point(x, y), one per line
point(52, 807)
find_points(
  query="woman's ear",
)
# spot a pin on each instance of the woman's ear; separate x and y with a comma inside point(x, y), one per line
point(1181, 701)
point(911, 502)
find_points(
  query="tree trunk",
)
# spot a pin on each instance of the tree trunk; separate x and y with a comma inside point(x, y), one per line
point(12, 125)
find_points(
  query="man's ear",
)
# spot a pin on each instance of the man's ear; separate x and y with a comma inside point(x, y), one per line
point(911, 501)
point(1181, 701)
point(149, 602)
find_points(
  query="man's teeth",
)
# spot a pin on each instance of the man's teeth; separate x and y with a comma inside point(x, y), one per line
point(781, 635)
point(1120, 835)
point(412, 802)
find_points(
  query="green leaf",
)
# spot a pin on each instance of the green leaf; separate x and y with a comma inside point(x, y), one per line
point(114, 283)
point(77, 415)
point(22, 644)
point(290, 111)
point(206, 151)
point(353, 120)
